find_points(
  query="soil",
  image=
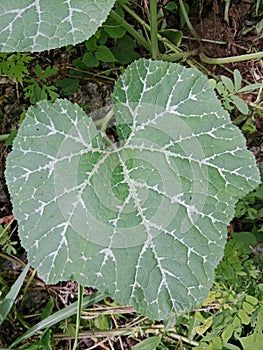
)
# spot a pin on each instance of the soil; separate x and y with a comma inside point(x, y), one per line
point(231, 36)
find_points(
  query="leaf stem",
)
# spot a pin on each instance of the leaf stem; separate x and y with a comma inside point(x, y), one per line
point(231, 59)
point(130, 30)
point(79, 309)
point(4, 137)
point(28, 284)
point(154, 29)
point(136, 17)
point(216, 42)
point(173, 57)
point(103, 122)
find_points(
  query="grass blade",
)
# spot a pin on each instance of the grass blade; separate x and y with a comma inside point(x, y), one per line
point(59, 316)
point(10, 298)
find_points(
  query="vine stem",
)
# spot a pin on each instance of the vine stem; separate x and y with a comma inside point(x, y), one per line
point(172, 47)
point(131, 30)
point(154, 29)
point(187, 21)
point(4, 137)
point(191, 62)
point(177, 53)
point(79, 309)
point(103, 122)
point(231, 59)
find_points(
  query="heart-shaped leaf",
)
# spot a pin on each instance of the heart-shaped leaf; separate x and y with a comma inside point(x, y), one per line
point(143, 219)
point(37, 25)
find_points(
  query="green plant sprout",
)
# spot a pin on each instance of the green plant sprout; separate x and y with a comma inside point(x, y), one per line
point(37, 88)
point(14, 65)
point(229, 91)
point(6, 245)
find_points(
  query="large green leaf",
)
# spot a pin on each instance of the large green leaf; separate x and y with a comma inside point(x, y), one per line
point(37, 25)
point(145, 219)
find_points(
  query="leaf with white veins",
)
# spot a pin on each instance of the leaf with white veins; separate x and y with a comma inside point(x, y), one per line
point(143, 220)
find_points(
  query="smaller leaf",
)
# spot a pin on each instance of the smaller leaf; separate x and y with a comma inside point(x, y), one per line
point(246, 237)
point(46, 339)
point(9, 140)
point(148, 344)
point(173, 35)
point(229, 346)
point(68, 86)
point(221, 89)
point(228, 104)
point(250, 87)
point(212, 83)
point(49, 71)
point(38, 70)
point(115, 30)
point(205, 326)
point(240, 104)
point(125, 53)
point(253, 341)
point(249, 126)
point(89, 60)
point(4, 235)
point(227, 333)
point(248, 308)
point(103, 37)
point(237, 79)
point(216, 343)
point(228, 83)
point(171, 6)
point(245, 319)
point(91, 44)
point(259, 28)
point(251, 300)
point(102, 322)
point(104, 54)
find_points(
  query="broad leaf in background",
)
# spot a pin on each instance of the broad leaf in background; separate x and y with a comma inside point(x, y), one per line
point(144, 219)
point(37, 25)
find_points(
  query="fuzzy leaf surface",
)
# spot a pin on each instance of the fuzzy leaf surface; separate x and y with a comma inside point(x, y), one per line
point(145, 219)
point(38, 25)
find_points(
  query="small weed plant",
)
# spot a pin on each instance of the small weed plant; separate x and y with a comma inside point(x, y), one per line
point(14, 66)
point(142, 218)
point(37, 89)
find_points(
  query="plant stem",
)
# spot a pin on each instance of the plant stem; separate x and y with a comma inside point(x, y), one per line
point(216, 42)
point(148, 27)
point(79, 309)
point(178, 54)
point(231, 59)
point(103, 122)
point(187, 21)
point(129, 331)
point(154, 29)
point(131, 30)
point(4, 137)
point(226, 10)
point(135, 16)
point(173, 57)
point(175, 49)
point(26, 289)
